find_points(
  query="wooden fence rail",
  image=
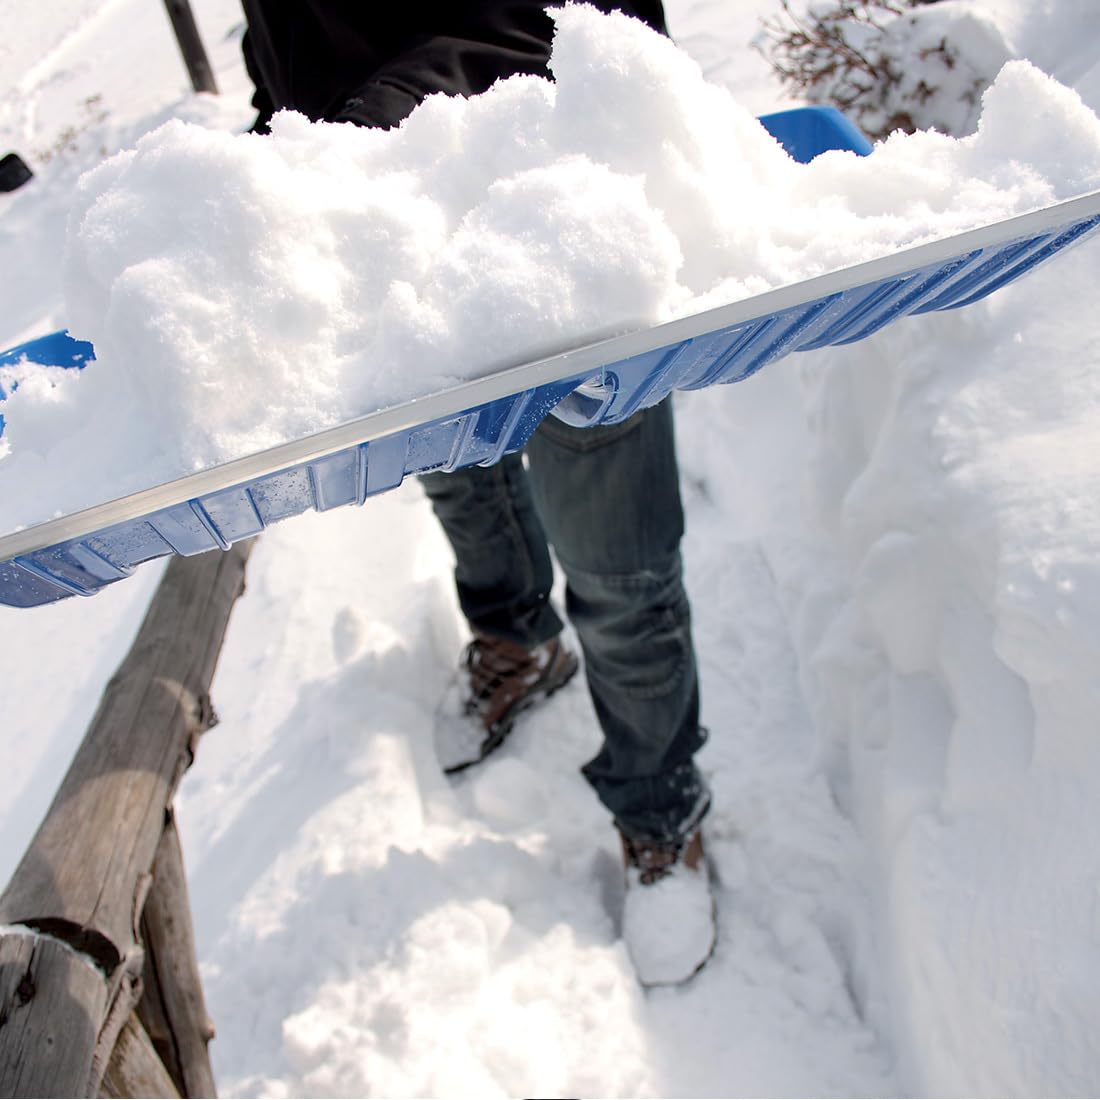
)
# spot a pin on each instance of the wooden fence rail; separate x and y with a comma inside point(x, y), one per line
point(97, 958)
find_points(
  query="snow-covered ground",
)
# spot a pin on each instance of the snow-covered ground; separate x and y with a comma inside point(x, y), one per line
point(891, 550)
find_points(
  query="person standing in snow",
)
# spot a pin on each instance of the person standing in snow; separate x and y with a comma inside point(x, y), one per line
point(607, 498)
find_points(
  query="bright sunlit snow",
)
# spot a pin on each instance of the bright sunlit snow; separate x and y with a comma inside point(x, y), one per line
point(242, 291)
point(892, 551)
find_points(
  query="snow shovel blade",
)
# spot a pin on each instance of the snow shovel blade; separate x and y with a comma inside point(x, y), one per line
point(478, 422)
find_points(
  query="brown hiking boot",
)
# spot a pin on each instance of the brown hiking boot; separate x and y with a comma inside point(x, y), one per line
point(503, 679)
point(668, 910)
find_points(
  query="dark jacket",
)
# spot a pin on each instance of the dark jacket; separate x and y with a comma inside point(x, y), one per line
point(371, 62)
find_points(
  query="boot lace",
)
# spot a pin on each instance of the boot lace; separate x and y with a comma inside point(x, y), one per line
point(493, 663)
point(654, 861)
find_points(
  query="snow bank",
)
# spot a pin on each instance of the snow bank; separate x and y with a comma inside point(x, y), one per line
point(948, 626)
point(959, 509)
point(944, 595)
point(244, 290)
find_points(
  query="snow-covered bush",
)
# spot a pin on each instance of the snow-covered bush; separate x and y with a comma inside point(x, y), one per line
point(889, 64)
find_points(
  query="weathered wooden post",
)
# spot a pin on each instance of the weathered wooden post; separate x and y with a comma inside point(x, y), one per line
point(73, 956)
point(172, 1008)
point(190, 43)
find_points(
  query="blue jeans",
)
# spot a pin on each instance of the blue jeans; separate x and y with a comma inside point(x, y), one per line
point(608, 500)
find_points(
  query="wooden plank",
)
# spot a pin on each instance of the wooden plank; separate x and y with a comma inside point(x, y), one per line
point(173, 1008)
point(123, 995)
point(52, 1002)
point(150, 1011)
point(84, 875)
point(135, 1069)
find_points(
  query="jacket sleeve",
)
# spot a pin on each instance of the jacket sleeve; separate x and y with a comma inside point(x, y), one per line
point(470, 52)
point(261, 97)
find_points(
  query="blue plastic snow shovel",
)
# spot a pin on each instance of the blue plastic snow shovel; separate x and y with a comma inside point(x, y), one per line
point(480, 421)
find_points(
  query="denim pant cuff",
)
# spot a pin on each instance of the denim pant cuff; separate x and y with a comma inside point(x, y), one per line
point(675, 804)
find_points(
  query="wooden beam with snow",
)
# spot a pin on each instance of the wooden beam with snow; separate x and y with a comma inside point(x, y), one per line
point(52, 1004)
point(84, 879)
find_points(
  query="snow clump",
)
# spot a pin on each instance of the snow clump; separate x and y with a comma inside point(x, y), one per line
point(245, 290)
